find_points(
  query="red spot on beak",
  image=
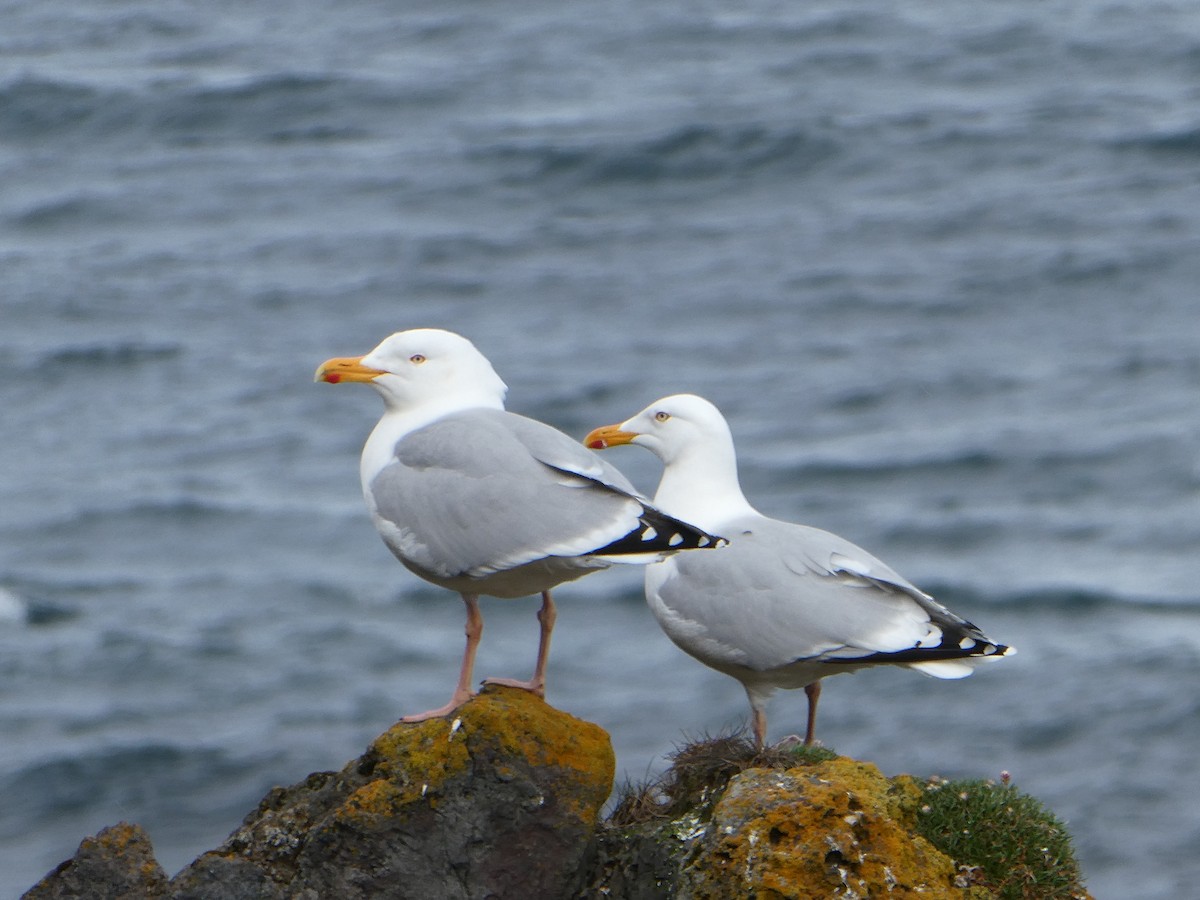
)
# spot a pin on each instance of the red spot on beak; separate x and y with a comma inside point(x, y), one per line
point(597, 444)
point(333, 378)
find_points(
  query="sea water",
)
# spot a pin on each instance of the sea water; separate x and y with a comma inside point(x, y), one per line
point(937, 264)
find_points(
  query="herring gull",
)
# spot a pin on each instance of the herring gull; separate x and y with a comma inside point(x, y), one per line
point(783, 605)
point(484, 501)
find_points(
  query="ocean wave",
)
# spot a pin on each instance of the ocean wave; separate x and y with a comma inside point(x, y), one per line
point(942, 459)
point(19, 609)
point(1181, 142)
point(83, 210)
point(1060, 598)
point(104, 777)
point(144, 512)
point(271, 107)
point(276, 107)
point(686, 152)
point(33, 109)
point(14, 608)
point(965, 460)
point(119, 354)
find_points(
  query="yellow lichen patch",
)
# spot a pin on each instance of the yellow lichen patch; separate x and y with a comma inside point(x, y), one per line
point(818, 831)
point(116, 838)
point(513, 724)
point(500, 727)
point(519, 723)
point(904, 797)
point(378, 799)
point(420, 754)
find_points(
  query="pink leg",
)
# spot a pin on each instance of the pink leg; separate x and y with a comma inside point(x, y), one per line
point(814, 694)
point(793, 740)
point(759, 723)
point(462, 692)
point(537, 684)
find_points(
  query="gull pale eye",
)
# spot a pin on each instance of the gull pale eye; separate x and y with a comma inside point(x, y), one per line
point(661, 416)
point(417, 359)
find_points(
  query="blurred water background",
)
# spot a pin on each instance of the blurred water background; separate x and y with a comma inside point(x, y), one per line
point(937, 262)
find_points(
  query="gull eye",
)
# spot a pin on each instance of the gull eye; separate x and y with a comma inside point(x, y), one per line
point(416, 359)
point(661, 416)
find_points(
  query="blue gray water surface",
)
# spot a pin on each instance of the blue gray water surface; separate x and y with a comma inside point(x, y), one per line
point(937, 262)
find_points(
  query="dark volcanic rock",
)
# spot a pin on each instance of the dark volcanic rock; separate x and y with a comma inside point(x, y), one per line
point(498, 800)
point(117, 863)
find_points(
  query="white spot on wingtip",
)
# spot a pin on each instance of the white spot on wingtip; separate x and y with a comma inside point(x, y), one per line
point(676, 540)
point(649, 534)
point(966, 643)
point(932, 639)
point(703, 542)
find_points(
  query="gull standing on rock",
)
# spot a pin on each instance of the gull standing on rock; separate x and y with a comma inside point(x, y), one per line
point(783, 605)
point(483, 501)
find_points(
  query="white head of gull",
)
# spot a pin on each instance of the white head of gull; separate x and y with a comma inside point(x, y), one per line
point(483, 501)
point(783, 605)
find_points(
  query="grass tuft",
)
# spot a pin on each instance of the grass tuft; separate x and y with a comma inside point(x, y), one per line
point(699, 772)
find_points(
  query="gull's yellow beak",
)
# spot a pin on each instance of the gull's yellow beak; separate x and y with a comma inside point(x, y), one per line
point(346, 368)
point(609, 436)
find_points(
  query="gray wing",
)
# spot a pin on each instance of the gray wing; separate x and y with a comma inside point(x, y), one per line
point(553, 448)
point(781, 593)
point(484, 491)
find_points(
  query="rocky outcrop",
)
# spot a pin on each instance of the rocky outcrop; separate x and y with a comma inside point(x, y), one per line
point(499, 800)
point(835, 828)
point(117, 863)
point(728, 822)
point(502, 800)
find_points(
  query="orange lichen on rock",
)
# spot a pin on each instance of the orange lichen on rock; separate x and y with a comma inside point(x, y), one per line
point(508, 728)
point(835, 829)
point(380, 799)
point(501, 799)
point(503, 792)
point(116, 839)
point(117, 862)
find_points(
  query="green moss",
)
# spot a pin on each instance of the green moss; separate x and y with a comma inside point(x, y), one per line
point(1008, 841)
point(808, 755)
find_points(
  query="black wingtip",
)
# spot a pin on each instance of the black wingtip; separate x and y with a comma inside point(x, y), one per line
point(659, 533)
point(982, 648)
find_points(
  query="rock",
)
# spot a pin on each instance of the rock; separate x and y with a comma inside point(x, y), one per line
point(499, 800)
point(836, 828)
point(761, 838)
point(729, 821)
point(117, 863)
